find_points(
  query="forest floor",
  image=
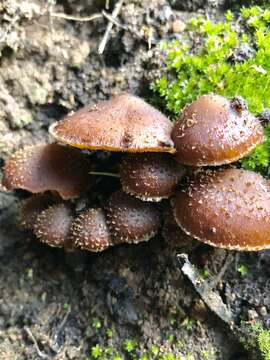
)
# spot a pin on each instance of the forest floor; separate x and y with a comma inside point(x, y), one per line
point(129, 300)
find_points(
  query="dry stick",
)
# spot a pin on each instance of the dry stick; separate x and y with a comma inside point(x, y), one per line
point(62, 324)
point(106, 36)
point(114, 21)
point(122, 26)
point(77, 18)
point(215, 303)
point(228, 260)
point(51, 4)
point(109, 17)
point(103, 173)
point(211, 299)
point(39, 352)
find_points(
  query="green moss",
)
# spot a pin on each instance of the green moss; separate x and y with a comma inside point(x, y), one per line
point(255, 336)
point(263, 340)
point(109, 333)
point(154, 350)
point(129, 345)
point(96, 352)
point(96, 323)
point(258, 160)
point(264, 343)
point(242, 269)
point(208, 59)
point(130, 350)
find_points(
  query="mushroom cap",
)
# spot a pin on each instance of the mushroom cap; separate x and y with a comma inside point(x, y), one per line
point(89, 231)
point(150, 177)
point(226, 208)
point(32, 207)
point(125, 123)
point(215, 131)
point(53, 167)
point(131, 220)
point(52, 225)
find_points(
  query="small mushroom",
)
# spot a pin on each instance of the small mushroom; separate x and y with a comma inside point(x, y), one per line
point(226, 208)
point(150, 177)
point(214, 131)
point(89, 231)
point(32, 207)
point(51, 167)
point(125, 123)
point(53, 224)
point(131, 220)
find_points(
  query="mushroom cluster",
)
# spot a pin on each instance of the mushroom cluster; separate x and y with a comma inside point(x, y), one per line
point(167, 177)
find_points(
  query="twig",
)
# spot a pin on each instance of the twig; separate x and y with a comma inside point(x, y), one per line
point(102, 173)
point(150, 35)
point(106, 36)
point(228, 260)
point(113, 20)
point(215, 304)
point(64, 320)
point(211, 299)
point(39, 352)
point(51, 4)
point(77, 18)
point(60, 327)
point(122, 26)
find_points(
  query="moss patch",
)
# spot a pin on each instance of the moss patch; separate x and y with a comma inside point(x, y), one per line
point(263, 340)
point(230, 58)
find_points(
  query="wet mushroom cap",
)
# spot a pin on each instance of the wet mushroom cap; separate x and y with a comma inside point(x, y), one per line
point(52, 225)
point(215, 131)
point(150, 177)
point(32, 207)
point(125, 123)
point(89, 231)
point(130, 219)
point(51, 167)
point(226, 208)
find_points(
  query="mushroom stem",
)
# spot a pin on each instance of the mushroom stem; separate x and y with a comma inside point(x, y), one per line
point(104, 173)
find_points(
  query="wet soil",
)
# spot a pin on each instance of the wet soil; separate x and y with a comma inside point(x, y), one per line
point(56, 305)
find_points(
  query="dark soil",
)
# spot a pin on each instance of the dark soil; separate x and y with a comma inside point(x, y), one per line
point(50, 301)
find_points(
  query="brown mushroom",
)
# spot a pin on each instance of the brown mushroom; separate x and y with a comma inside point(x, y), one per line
point(226, 208)
point(215, 131)
point(89, 231)
point(131, 220)
point(52, 225)
point(33, 206)
point(150, 177)
point(52, 167)
point(125, 123)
